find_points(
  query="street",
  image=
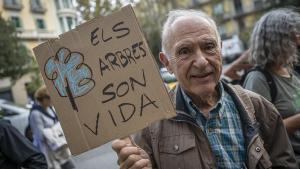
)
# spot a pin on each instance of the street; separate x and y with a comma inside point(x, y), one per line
point(100, 158)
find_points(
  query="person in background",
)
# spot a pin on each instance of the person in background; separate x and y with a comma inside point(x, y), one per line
point(43, 116)
point(16, 151)
point(234, 72)
point(217, 125)
point(273, 48)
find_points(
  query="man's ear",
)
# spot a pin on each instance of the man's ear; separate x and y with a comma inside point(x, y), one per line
point(165, 61)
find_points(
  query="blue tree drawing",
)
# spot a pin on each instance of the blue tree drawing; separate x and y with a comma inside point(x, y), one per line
point(69, 74)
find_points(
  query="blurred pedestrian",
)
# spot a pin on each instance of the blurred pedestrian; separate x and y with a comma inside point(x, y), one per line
point(43, 116)
point(16, 151)
point(273, 48)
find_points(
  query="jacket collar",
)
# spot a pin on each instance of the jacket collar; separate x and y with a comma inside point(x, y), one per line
point(240, 98)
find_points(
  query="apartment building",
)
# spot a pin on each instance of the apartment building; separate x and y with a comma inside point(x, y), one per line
point(36, 21)
point(235, 17)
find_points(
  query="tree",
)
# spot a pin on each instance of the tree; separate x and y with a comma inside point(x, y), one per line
point(93, 8)
point(150, 14)
point(15, 59)
point(36, 80)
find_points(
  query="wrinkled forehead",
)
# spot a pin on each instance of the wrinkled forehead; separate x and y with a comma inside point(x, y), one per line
point(191, 26)
point(190, 20)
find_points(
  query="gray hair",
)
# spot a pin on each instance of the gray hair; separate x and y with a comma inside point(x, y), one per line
point(273, 38)
point(173, 16)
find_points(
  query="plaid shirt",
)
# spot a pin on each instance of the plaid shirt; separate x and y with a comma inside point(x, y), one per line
point(223, 130)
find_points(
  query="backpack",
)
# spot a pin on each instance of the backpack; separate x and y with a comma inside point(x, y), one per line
point(269, 78)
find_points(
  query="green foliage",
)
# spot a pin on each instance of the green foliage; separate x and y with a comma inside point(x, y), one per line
point(36, 80)
point(15, 59)
point(150, 14)
point(93, 8)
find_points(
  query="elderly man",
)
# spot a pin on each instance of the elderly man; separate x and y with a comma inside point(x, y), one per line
point(217, 125)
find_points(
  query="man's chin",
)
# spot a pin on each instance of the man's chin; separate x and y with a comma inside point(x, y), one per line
point(204, 90)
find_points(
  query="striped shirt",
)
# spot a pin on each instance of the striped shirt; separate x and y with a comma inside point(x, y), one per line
point(223, 130)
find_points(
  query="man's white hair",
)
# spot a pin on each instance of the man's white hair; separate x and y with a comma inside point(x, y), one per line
point(173, 16)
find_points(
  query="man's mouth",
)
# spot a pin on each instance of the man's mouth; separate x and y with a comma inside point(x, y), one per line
point(201, 76)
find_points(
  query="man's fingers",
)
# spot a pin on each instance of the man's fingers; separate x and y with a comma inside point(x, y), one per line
point(130, 156)
point(143, 163)
point(126, 152)
point(130, 161)
point(118, 144)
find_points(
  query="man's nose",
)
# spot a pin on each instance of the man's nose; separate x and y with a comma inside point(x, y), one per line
point(200, 60)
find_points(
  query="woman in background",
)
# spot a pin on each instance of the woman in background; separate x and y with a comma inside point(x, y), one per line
point(43, 116)
point(273, 49)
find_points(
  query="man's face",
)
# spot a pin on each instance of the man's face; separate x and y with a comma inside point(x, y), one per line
point(195, 56)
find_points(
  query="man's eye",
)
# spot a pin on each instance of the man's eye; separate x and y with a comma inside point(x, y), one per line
point(184, 51)
point(210, 47)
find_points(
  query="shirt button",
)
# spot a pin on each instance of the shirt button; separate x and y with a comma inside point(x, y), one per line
point(258, 149)
point(176, 147)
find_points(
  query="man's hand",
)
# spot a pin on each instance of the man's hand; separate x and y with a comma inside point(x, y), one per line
point(131, 156)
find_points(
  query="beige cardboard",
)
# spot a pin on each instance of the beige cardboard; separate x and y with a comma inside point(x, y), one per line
point(103, 80)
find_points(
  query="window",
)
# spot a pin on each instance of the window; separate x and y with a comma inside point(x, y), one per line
point(36, 3)
point(37, 6)
point(40, 24)
point(57, 4)
point(61, 21)
point(67, 3)
point(12, 5)
point(16, 21)
point(258, 3)
point(11, 2)
point(218, 9)
point(70, 23)
point(238, 6)
point(76, 21)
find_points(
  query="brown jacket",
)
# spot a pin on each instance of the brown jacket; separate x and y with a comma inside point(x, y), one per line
point(178, 143)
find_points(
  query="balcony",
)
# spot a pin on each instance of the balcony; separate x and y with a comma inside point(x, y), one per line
point(67, 12)
point(37, 34)
point(246, 10)
point(14, 5)
point(197, 3)
point(37, 7)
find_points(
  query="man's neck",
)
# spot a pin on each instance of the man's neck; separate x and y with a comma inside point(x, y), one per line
point(206, 102)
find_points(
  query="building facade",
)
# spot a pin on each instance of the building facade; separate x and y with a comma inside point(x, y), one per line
point(36, 21)
point(235, 17)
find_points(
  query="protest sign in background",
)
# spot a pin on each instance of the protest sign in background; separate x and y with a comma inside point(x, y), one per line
point(103, 80)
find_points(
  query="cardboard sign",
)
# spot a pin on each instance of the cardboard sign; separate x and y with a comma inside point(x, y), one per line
point(103, 81)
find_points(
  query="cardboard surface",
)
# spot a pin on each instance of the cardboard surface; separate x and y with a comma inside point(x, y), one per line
point(103, 80)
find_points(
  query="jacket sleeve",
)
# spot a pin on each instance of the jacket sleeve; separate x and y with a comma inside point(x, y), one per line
point(281, 151)
point(275, 137)
point(37, 124)
point(143, 140)
point(18, 149)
